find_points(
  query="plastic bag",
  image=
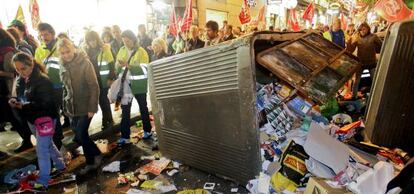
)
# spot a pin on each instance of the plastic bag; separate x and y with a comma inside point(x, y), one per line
point(330, 108)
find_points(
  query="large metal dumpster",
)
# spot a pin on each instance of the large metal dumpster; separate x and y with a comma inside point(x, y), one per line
point(204, 102)
point(204, 106)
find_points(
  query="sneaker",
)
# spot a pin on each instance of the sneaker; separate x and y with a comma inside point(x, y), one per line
point(56, 172)
point(147, 135)
point(37, 187)
point(23, 147)
point(123, 141)
point(88, 168)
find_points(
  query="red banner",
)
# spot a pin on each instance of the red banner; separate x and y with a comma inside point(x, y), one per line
point(392, 10)
point(172, 28)
point(34, 11)
point(188, 16)
point(344, 22)
point(244, 15)
point(260, 18)
point(292, 21)
point(309, 12)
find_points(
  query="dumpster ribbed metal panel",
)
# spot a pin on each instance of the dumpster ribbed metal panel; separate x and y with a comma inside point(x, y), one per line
point(204, 105)
point(390, 115)
point(209, 72)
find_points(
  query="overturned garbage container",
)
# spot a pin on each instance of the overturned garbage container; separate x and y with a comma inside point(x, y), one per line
point(205, 101)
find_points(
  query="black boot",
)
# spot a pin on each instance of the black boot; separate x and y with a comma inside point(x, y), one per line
point(3, 155)
point(107, 124)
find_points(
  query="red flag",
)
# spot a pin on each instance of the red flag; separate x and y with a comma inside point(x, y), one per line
point(260, 17)
point(292, 21)
point(34, 11)
point(244, 15)
point(173, 21)
point(392, 10)
point(309, 12)
point(344, 22)
point(188, 16)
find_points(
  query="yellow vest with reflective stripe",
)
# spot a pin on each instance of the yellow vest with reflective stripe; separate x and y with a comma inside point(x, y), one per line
point(52, 63)
point(105, 60)
point(138, 69)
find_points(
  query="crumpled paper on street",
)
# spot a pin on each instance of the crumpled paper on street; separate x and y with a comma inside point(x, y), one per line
point(155, 167)
point(112, 167)
point(374, 180)
point(196, 191)
point(137, 191)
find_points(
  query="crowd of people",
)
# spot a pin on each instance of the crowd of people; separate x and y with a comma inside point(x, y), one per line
point(42, 83)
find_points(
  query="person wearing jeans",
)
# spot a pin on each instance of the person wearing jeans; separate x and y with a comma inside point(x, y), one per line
point(80, 125)
point(81, 94)
point(46, 150)
point(38, 108)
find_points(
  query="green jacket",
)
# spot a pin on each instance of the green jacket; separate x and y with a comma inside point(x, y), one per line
point(51, 62)
point(137, 67)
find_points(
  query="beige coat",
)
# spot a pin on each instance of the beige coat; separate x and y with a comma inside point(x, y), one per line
point(81, 89)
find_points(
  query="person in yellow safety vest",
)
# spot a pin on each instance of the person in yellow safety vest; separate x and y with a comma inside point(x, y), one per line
point(47, 55)
point(137, 66)
point(100, 55)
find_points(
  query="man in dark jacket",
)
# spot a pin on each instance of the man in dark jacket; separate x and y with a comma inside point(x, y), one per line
point(228, 33)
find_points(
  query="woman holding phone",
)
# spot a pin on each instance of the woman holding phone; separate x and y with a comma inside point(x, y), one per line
point(37, 106)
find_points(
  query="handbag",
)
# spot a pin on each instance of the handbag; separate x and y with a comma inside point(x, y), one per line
point(44, 126)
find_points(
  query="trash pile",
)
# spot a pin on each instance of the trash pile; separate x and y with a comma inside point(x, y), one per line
point(301, 149)
point(311, 135)
point(148, 178)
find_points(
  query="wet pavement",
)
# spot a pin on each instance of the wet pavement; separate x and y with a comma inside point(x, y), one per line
point(104, 182)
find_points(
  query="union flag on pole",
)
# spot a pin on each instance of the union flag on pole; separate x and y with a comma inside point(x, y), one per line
point(392, 10)
point(309, 12)
point(244, 15)
point(34, 11)
point(172, 28)
point(188, 16)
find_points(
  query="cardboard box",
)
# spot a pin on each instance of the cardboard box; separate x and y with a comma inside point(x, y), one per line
point(319, 186)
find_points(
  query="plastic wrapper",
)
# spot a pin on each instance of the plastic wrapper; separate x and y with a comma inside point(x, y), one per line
point(293, 164)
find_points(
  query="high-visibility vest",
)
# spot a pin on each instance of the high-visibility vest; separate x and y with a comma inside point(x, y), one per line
point(51, 62)
point(105, 61)
point(138, 68)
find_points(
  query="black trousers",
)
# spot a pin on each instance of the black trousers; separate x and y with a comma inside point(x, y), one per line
point(105, 106)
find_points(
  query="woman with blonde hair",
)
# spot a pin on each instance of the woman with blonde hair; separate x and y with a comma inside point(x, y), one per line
point(81, 93)
point(160, 48)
